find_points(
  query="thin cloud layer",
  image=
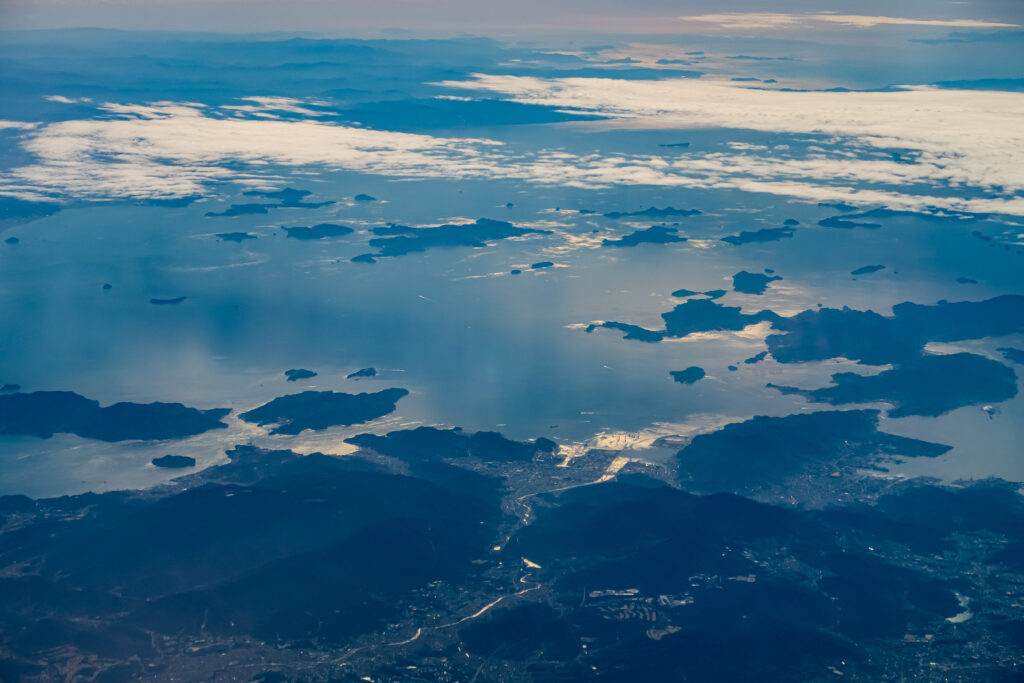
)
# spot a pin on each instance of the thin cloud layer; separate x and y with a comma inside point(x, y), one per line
point(781, 20)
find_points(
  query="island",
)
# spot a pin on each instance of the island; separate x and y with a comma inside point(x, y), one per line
point(653, 212)
point(930, 385)
point(430, 443)
point(1009, 353)
point(45, 413)
point(316, 410)
point(842, 207)
point(762, 235)
point(845, 224)
point(875, 339)
point(289, 198)
point(476, 234)
point(694, 315)
point(319, 231)
point(296, 374)
point(174, 461)
point(235, 236)
point(689, 375)
point(752, 283)
point(658, 234)
point(764, 451)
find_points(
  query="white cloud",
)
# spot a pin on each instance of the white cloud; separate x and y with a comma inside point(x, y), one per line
point(861, 21)
point(778, 20)
point(963, 143)
point(61, 99)
point(961, 138)
point(276, 104)
point(171, 150)
point(746, 19)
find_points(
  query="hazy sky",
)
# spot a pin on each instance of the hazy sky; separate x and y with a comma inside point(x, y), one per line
point(604, 16)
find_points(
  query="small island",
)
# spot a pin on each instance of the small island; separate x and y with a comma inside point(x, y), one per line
point(752, 283)
point(1009, 353)
point(319, 231)
point(689, 375)
point(298, 373)
point(289, 197)
point(235, 236)
point(658, 234)
point(322, 409)
point(762, 235)
point(653, 212)
point(834, 222)
point(174, 461)
point(415, 240)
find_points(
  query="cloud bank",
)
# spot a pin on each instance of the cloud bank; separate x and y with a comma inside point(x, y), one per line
point(958, 150)
point(781, 20)
point(959, 140)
